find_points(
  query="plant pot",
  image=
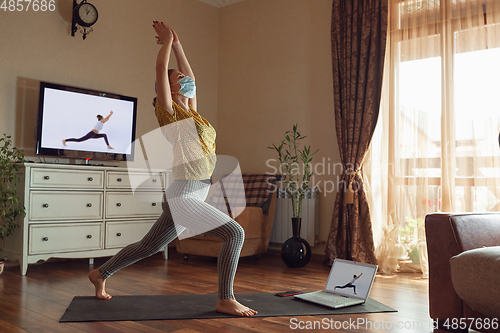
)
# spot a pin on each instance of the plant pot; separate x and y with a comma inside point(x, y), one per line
point(400, 252)
point(296, 251)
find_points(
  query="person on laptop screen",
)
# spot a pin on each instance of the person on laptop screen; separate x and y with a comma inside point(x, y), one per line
point(350, 284)
point(342, 271)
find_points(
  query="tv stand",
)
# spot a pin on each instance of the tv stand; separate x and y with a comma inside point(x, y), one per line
point(83, 211)
point(95, 165)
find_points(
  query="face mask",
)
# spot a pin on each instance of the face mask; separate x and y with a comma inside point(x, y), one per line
point(188, 87)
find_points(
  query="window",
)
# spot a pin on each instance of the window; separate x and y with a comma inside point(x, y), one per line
point(436, 144)
point(445, 76)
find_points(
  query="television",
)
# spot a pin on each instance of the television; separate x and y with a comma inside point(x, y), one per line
point(77, 123)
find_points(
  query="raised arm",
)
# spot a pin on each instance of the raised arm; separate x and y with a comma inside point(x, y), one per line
point(107, 118)
point(183, 63)
point(164, 38)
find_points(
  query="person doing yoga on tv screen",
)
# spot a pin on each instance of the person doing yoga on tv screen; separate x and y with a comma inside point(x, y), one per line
point(175, 105)
point(94, 133)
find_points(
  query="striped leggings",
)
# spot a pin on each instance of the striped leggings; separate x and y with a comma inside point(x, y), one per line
point(187, 208)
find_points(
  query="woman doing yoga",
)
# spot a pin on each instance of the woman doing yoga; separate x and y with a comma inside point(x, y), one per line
point(175, 105)
point(94, 134)
point(350, 284)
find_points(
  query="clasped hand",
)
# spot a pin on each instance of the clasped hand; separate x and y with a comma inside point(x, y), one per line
point(164, 34)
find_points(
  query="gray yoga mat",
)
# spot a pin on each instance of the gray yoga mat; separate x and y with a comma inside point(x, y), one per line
point(167, 307)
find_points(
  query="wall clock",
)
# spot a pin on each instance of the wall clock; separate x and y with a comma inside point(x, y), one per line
point(85, 15)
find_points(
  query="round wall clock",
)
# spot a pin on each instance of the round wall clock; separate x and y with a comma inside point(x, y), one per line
point(85, 14)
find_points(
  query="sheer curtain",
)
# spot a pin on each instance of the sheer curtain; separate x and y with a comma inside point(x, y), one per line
point(436, 146)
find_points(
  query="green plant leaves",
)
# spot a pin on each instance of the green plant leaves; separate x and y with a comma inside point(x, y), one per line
point(10, 205)
point(295, 187)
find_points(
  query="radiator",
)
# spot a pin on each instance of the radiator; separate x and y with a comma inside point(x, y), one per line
point(282, 228)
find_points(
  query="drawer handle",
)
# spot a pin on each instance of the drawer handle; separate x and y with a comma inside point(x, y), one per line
point(90, 179)
point(46, 205)
point(45, 239)
point(119, 204)
point(154, 180)
point(119, 180)
point(46, 177)
point(89, 236)
point(119, 234)
point(154, 204)
point(89, 205)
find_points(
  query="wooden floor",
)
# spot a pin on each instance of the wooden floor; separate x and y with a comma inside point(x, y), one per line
point(36, 302)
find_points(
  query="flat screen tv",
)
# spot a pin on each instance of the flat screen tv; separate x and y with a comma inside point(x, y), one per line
point(83, 123)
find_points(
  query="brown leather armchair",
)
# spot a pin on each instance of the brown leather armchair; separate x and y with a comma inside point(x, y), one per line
point(449, 235)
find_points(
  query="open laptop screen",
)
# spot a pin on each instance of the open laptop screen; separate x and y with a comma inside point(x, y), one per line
point(351, 278)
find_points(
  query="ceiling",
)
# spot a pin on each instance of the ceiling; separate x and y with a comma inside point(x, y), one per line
point(220, 3)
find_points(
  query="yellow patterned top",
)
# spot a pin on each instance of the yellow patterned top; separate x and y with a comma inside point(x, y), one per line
point(193, 140)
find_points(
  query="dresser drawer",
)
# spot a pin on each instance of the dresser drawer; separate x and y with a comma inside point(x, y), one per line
point(82, 179)
point(53, 238)
point(126, 204)
point(136, 180)
point(60, 205)
point(120, 234)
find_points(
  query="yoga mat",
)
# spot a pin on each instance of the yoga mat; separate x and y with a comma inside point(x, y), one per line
point(166, 307)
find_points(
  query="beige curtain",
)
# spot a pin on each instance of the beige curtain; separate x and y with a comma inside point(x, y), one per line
point(436, 144)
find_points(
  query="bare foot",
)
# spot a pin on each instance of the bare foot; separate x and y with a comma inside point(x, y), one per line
point(109, 147)
point(64, 142)
point(233, 307)
point(99, 282)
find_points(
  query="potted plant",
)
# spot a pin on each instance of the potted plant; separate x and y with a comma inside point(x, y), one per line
point(10, 206)
point(411, 234)
point(296, 251)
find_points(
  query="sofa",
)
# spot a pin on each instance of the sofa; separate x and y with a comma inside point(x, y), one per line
point(257, 219)
point(464, 270)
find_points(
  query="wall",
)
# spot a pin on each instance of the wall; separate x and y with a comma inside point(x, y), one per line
point(274, 71)
point(118, 56)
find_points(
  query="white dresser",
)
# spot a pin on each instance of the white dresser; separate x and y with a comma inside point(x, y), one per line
point(79, 211)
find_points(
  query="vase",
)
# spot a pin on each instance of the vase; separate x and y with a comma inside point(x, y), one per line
point(296, 251)
point(400, 252)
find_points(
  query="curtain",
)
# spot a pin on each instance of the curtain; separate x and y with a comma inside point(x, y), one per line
point(435, 147)
point(359, 31)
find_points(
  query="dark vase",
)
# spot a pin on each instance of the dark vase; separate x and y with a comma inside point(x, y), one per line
point(296, 251)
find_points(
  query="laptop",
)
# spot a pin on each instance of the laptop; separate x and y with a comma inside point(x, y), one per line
point(349, 283)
